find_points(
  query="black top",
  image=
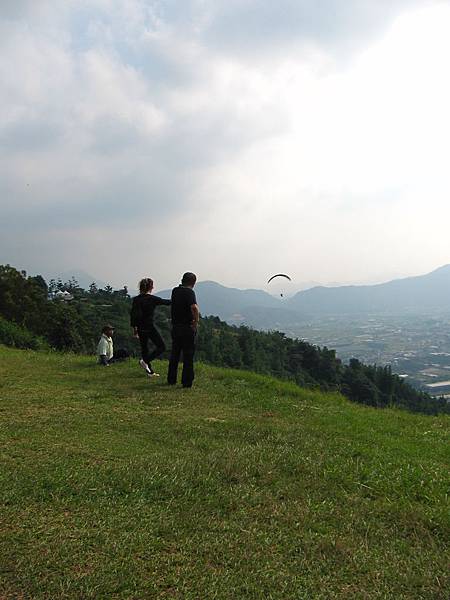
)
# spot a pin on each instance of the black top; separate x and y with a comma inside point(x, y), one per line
point(143, 308)
point(182, 300)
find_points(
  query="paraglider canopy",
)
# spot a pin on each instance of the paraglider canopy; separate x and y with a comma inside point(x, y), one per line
point(279, 275)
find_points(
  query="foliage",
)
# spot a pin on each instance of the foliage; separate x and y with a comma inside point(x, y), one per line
point(74, 325)
point(308, 365)
point(19, 337)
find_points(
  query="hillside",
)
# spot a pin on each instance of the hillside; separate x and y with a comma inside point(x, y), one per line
point(245, 487)
point(29, 320)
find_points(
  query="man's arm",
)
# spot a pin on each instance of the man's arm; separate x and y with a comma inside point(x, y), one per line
point(195, 316)
point(103, 360)
point(101, 352)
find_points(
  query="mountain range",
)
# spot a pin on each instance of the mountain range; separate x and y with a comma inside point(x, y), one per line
point(423, 294)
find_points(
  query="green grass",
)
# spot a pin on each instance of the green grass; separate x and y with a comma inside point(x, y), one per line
point(115, 486)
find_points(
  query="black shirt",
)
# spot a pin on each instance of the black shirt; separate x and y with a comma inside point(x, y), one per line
point(182, 300)
point(143, 308)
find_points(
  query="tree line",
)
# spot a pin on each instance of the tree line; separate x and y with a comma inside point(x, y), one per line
point(31, 316)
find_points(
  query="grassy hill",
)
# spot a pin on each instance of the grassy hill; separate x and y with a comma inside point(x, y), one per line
point(114, 486)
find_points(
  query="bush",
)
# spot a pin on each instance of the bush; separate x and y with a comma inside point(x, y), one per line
point(19, 337)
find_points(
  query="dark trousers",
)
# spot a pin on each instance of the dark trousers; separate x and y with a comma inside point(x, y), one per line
point(120, 354)
point(151, 334)
point(183, 341)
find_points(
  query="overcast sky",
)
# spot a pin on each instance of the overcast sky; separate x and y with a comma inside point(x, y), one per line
point(233, 138)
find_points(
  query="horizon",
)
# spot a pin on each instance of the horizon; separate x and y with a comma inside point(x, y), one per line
point(273, 290)
point(233, 139)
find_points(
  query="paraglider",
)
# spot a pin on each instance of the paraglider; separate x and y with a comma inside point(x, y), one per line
point(279, 275)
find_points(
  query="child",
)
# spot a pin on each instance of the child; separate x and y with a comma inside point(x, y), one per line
point(105, 348)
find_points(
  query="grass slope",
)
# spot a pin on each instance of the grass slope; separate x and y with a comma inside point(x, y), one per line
point(115, 486)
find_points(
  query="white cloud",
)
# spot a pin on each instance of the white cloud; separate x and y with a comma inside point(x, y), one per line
point(360, 183)
point(126, 127)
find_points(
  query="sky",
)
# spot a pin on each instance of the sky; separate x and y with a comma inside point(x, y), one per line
point(232, 138)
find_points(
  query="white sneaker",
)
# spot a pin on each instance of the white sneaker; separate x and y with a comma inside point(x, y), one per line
point(145, 366)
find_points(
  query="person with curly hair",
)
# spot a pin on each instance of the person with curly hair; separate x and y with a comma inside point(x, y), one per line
point(141, 319)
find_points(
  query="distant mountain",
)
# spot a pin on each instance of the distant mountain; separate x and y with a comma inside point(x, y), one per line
point(424, 293)
point(230, 304)
point(256, 308)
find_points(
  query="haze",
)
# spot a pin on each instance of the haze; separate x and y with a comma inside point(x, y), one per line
point(233, 138)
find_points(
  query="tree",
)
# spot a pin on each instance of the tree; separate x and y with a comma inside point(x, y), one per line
point(359, 388)
point(72, 286)
point(52, 287)
point(39, 281)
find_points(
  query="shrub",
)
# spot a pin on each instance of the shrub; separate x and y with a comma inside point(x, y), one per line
point(12, 334)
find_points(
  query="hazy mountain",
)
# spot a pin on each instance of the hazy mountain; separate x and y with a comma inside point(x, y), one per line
point(424, 293)
point(228, 303)
point(421, 294)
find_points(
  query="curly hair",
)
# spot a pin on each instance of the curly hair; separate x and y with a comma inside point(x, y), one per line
point(145, 285)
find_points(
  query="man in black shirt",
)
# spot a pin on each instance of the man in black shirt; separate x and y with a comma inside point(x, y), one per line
point(142, 311)
point(185, 317)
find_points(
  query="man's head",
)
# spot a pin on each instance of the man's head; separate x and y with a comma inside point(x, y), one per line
point(108, 330)
point(145, 285)
point(189, 279)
